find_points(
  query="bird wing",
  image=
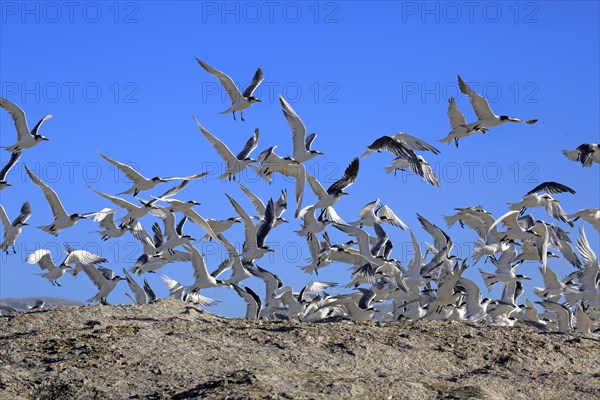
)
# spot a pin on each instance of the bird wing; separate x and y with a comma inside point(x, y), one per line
point(389, 144)
point(256, 80)
point(281, 204)
point(172, 191)
point(95, 276)
point(226, 81)
point(457, 119)
point(24, 214)
point(266, 225)
point(423, 168)
point(440, 238)
point(14, 157)
point(81, 257)
point(131, 173)
point(5, 221)
point(18, 116)
point(258, 204)
point(51, 196)
point(200, 272)
point(117, 200)
point(309, 141)
point(585, 250)
point(138, 293)
point(316, 186)
point(106, 218)
point(347, 179)
point(361, 236)
point(414, 267)
point(479, 103)
point(198, 220)
point(551, 188)
point(219, 146)
point(253, 303)
point(388, 216)
point(414, 143)
point(297, 126)
point(368, 208)
point(150, 295)
point(250, 145)
point(250, 230)
point(272, 281)
point(43, 258)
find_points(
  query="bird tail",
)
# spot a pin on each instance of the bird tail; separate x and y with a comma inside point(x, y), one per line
point(572, 298)
point(451, 220)
point(488, 279)
point(515, 206)
point(390, 168)
point(572, 155)
point(479, 250)
point(446, 140)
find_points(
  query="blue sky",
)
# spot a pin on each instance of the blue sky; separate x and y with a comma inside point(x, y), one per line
point(122, 79)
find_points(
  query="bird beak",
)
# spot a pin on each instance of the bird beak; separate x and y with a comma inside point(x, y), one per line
point(25, 224)
point(82, 217)
point(46, 139)
point(259, 100)
point(284, 220)
point(163, 180)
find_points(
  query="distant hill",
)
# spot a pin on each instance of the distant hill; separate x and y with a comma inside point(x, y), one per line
point(171, 350)
point(25, 302)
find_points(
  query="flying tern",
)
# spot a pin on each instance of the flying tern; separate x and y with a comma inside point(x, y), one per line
point(13, 230)
point(586, 154)
point(14, 157)
point(25, 139)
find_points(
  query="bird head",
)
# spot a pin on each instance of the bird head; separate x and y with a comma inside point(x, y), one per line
point(318, 153)
point(78, 216)
point(194, 203)
point(253, 99)
point(40, 137)
point(235, 219)
point(522, 277)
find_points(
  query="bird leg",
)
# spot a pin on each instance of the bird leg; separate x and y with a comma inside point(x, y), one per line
point(456, 142)
point(522, 211)
point(242, 115)
point(234, 116)
point(14, 250)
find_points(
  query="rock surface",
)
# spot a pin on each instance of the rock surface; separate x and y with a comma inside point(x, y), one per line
point(171, 350)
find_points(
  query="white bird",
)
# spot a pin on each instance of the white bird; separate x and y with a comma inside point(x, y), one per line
point(583, 323)
point(78, 258)
point(141, 183)
point(533, 199)
point(202, 279)
point(458, 125)
point(104, 279)
point(179, 292)
point(173, 233)
point(62, 220)
point(312, 225)
point(353, 311)
point(235, 164)
point(253, 303)
point(588, 278)
point(43, 258)
point(218, 226)
point(134, 212)
point(13, 230)
point(14, 157)
point(106, 219)
point(419, 166)
point(329, 197)
point(255, 237)
point(271, 162)
point(586, 154)
point(280, 206)
point(564, 316)
point(141, 295)
point(375, 213)
point(25, 139)
point(591, 215)
point(476, 307)
point(239, 101)
point(553, 289)
point(505, 270)
point(152, 260)
point(485, 117)
point(301, 143)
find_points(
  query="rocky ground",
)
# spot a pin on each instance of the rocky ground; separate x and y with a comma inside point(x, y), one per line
point(171, 350)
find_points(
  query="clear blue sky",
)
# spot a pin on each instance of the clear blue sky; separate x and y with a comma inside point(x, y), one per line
point(122, 79)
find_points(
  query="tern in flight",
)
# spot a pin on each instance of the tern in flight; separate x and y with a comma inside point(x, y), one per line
point(235, 164)
point(329, 197)
point(141, 183)
point(586, 154)
point(13, 230)
point(62, 220)
point(533, 199)
point(104, 279)
point(458, 124)
point(25, 138)
point(485, 117)
point(239, 101)
point(301, 143)
point(14, 157)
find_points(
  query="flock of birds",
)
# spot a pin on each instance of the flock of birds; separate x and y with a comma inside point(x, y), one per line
point(431, 286)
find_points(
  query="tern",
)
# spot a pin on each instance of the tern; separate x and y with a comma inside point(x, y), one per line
point(419, 166)
point(505, 270)
point(591, 215)
point(301, 143)
point(533, 199)
point(152, 260)
point(588, 281)
point(78, 258)
point(329, 197)
point(253, 303)
point(485, 117)
point(280, 206)
point(239, 101)
point(141, 295)
point(202, 279)
point(376, 213)
point(25, 138)
point(255, 237)
point(174, 234)
point(141, 183)
point(134, 212)
point(104, 279)
point(14, 157)
point(564, 316)
point(106, 219)
point(179, 292)
point(553, 289)
point(235, 164)
point(43, 258)
point(13, 230)
point(271, 162)
point(459, 126)
point(398, 144)
point(586, 154)
point(62, 220)
point(312, 225)
point(476, 307)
